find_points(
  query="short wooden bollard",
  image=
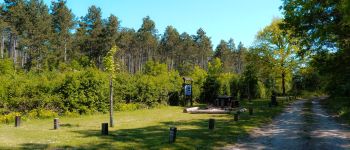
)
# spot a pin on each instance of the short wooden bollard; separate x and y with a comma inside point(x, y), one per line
point(235, 117)
point(17, 121)
point(56, 123)
point(211, 124)
point(172, 134)
point(104, 130)
point(250, 111)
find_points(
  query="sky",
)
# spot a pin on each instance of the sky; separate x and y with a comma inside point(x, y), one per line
point(220, 19)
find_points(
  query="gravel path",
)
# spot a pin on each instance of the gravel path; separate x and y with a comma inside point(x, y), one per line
point(303, 125)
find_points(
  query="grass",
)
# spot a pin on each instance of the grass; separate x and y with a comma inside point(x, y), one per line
point(140, 129)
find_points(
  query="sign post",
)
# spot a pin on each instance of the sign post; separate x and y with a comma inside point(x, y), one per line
point(187, 86)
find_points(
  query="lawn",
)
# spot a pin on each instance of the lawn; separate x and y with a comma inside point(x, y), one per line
point(141, 129)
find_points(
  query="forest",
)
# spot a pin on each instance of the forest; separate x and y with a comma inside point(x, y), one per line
point(55, 63)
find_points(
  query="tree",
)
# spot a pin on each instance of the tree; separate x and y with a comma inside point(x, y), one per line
point(211, 86)
point(169, 45)
point(240, 58)
point(14, 13)
point(94, 41)
point(223, 52)
point(323, 27)
point(187, 55)
point(110, 33)
point(38, 31)
point(111, 68)
point(277, 49)
point(204, 46)
point(147, 41)
point(62, 24)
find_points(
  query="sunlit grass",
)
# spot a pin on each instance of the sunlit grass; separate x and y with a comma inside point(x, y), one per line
point(141, 129)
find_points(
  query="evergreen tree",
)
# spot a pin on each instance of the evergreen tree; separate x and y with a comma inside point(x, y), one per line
point(223, 52)
point(94, 40)
point(127, 43)
point(204, 46)
point(38, 31)
point(62, 24)
point(147, 42)
point(110, 33)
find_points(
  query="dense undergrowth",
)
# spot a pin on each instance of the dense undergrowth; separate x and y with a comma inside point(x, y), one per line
point(77, 89)
point(339, 106)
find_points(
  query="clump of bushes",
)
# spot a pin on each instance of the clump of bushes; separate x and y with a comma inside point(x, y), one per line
point(51, 93)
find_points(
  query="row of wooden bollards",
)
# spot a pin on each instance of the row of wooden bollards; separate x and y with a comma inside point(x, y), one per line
point(172, 132)
point(56, 123)
point(211, 125)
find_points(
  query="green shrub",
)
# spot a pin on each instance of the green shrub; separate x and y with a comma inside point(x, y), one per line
point(41, 113)
point(9, 118)
point(128, 107)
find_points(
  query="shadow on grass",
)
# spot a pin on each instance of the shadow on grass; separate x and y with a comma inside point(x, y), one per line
point(192, 134)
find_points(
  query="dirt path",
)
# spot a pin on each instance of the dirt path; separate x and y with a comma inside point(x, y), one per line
point(303, 125)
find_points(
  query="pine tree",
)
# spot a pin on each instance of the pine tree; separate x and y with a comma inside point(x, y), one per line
point(62, 24)
point(110, 33)
point(147, 41)
point(169, 45)
point(223, 52)
point(204, 47)
point(94, 39)
point(39, 34)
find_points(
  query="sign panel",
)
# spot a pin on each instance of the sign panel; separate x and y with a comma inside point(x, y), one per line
point(188, 90)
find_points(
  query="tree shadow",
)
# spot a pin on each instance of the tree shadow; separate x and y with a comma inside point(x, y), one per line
point(192, 134)
point(30, 146)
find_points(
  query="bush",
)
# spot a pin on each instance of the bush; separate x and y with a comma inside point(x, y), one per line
point(41, 113)
point(128, 107)
point(9, 118)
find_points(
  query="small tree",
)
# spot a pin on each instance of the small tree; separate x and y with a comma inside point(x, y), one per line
point(111, 67)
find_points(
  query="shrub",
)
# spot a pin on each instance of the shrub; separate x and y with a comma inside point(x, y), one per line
point(9, 118)
point(128, 107)
point(42, 113)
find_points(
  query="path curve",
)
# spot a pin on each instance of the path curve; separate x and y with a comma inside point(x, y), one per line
point(302, 125)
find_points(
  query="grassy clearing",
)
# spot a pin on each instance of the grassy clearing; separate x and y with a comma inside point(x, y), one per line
point(141, 129)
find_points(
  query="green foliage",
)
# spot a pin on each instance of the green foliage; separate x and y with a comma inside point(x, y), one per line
point(9, 118)
point(339, 106)
point(156, 84)
point(6, 66)
point(249, 83)
point(211, 86)
point(83, 91)
point(129, 106)
point(224, 80)
point(329, 41)
point(41, 113)
point(198, 76)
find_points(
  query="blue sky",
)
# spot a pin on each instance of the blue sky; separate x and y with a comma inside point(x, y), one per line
point(221, 19)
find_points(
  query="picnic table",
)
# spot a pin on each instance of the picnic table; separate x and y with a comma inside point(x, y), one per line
point(226, 101)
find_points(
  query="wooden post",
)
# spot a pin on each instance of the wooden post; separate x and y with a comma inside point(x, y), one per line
point(235, 117)
point(104, 130)
point(211, 124)
point(17, 121)
point(172, 134)
point(250, 110)
point(56, 123)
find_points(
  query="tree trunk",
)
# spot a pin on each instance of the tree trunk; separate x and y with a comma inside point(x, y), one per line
point(2, 45)
point(283, 84)
point(65, 51)
point(14, 52)
point(10, 46)
point(111, 121)
point(249, 96)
